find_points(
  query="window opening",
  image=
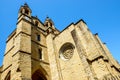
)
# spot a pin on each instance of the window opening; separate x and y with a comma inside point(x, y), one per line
point(47, 24)
point(26, 11)
point(40, 53)
point(38, 37)
point(21, 11)
point(50, 24)
point(36, 23)
point(38, 75)
point(8, 76)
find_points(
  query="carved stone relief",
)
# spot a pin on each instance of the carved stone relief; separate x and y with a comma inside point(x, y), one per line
point(66, 51)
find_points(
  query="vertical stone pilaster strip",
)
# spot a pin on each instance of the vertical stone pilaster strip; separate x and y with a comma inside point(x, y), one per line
point(52, 58)
point(81, 53)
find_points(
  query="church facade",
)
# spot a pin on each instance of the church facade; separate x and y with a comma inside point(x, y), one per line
point(38, 51)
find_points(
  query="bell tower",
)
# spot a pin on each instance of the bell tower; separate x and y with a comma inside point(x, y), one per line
point(23, 43)
point(17, 57)
point(25, 10)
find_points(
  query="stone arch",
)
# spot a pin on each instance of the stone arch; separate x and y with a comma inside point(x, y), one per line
point(67, 44)
point(38, 75)
point(8, 76)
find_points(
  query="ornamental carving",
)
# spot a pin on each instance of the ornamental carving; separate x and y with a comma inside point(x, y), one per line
point(66, 51)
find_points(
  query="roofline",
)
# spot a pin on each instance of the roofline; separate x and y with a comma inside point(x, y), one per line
point(38, 20)
point(80, 21)
point(64, 29)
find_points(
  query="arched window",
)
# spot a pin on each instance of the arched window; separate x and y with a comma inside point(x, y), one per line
point(50, 24)
point(46, 24)
point(48, 31)
point(8, 76)
point(26, 11)
point(36, 23)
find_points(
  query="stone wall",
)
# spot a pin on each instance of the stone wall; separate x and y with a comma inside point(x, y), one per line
point(72, 54)
point(72, 67)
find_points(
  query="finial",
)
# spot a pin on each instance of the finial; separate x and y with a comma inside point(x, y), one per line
point(104, 43)
point(96, 33)
point(47, 17)
point(25, 4)
point(36, 16)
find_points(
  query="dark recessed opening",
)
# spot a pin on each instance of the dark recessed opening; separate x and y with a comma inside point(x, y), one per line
point(26, 11)
point(40, 53)
point(36, 23)
point(38, 37)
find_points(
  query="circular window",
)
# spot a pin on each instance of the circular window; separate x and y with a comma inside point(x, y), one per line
point(66, 51)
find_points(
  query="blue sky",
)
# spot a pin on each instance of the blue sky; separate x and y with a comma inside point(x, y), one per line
point(101, 16)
